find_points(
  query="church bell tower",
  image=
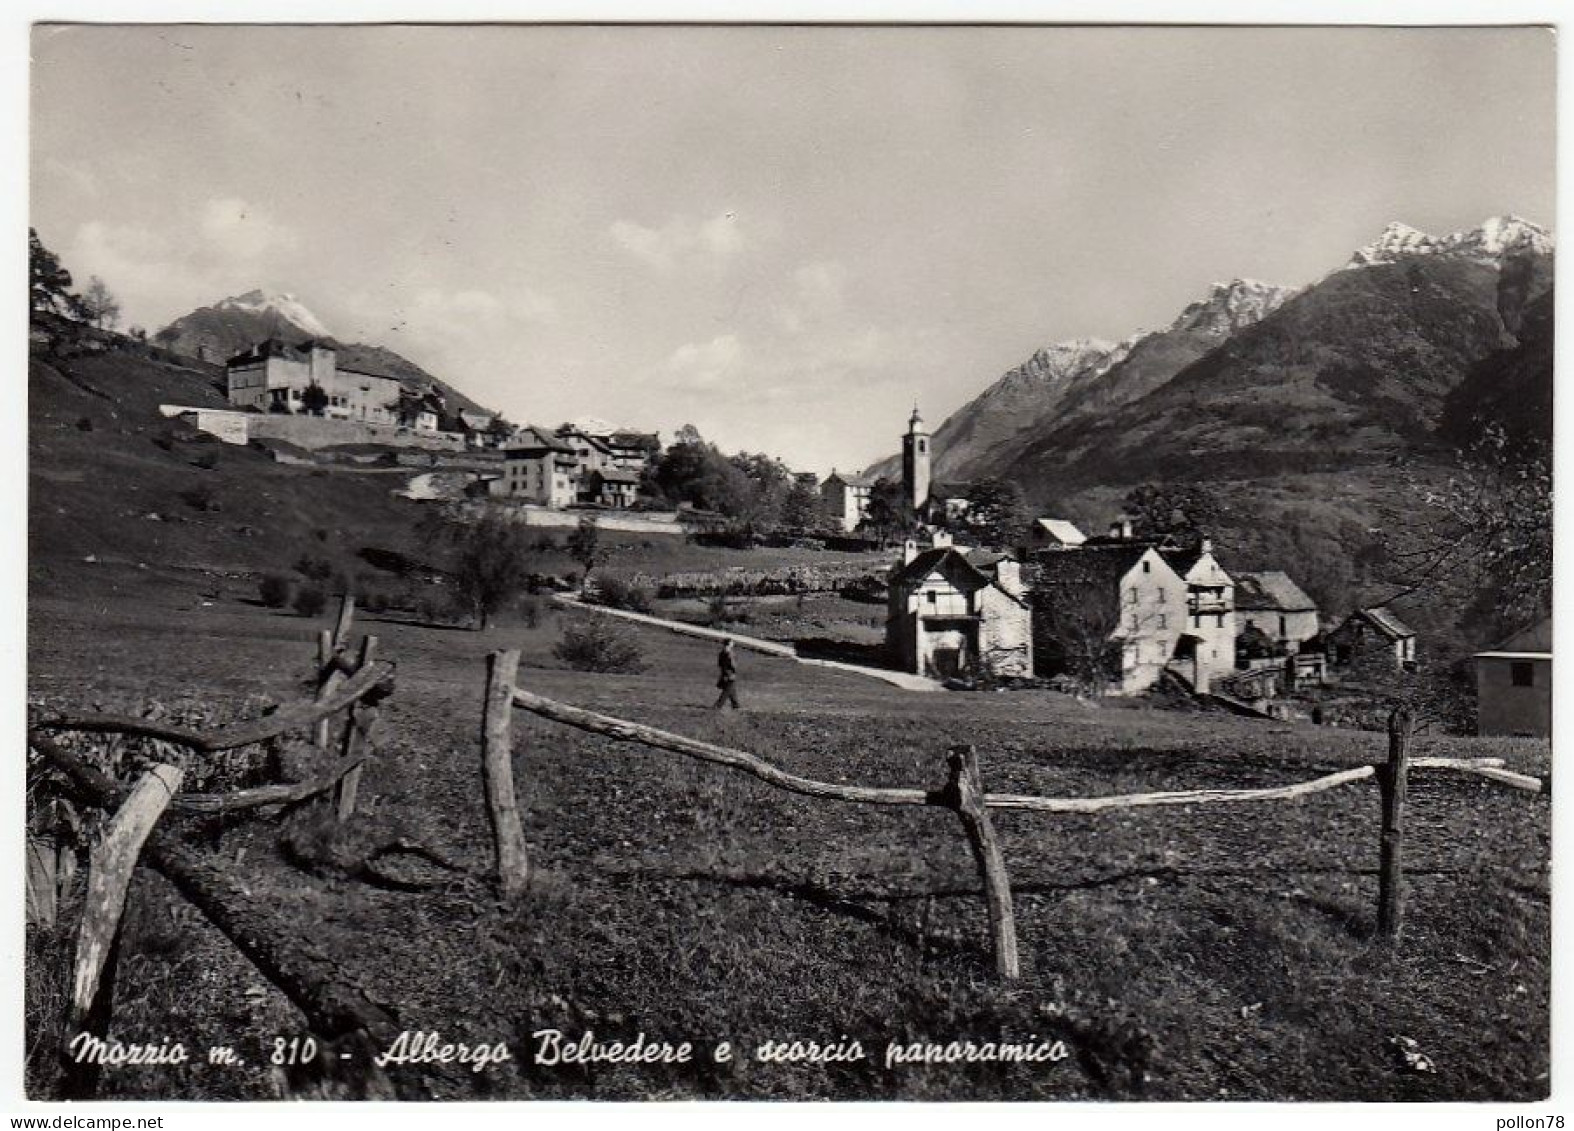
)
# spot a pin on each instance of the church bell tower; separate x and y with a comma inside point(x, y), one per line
point(915, 462)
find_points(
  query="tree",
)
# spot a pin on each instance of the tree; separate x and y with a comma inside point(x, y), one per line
point(100, 305)
point(997, 513)
point(314, 399)
point(1186, 512)
point(49, 284)
point(1076, 637)
point(803, 509)
point(890, 514)
point(1480, 540)
point(492, 565)
point(586, 548)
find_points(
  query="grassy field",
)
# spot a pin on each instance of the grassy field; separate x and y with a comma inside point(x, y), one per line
point(1225, 952)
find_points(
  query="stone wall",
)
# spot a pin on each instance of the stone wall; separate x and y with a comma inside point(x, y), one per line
point(314, 432)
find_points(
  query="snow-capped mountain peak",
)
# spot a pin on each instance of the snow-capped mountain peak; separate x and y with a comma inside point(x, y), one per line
point(1489, 243)
point(1229, 307)
point(285, 305)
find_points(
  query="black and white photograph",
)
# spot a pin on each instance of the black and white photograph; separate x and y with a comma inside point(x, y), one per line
point(812, 561)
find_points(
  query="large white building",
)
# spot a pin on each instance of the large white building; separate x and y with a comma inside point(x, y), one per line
point(274, 376)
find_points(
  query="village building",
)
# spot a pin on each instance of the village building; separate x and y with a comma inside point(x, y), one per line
point(1209, 640)
point(592, 452)
point(1054, 534)
point(1272, 603)
point(1514, 684)
point(1114, 613)
point(611, 487)
point(954, 613)
point(633, 451)
point(947, 503)
point(846, 498)
point(1374, 633)
point(540, 468)
point(274, 376)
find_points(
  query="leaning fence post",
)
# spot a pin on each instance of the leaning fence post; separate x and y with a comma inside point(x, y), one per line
point(98, 941)
point(497, 738)
point(965, 793)
point(361, 719)
point(329, 644)
point(1392, 781)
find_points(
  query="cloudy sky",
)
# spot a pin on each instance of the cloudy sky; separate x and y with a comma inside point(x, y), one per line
point(785, 236)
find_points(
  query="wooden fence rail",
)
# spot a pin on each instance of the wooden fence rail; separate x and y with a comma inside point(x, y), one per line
point(335, 1010)
point(963, 793)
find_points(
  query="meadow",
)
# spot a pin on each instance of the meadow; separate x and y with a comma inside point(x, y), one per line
point(1224, 952)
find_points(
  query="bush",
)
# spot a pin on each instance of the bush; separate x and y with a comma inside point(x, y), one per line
point(596, 644)
point(200, 498)
point(276, 591)
point(620, 593)
point(310, 601)
point(318, 569)
point(439, 606)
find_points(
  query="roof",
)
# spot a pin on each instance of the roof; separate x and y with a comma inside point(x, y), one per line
point(531, 441)
point(472, 417)
point(1535, 640)
point(950, 490)
point(1063, 529)
point(272, 347)
point(1271, 589)
point(617, 475)
point(850, 479)
point(634, 440)
point(1387, 623)
point(975, 569)
point(1088, 566)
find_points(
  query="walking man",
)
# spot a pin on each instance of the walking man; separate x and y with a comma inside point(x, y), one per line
point(727, 679)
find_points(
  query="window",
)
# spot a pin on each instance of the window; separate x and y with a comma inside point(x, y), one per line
point(1134, 594)
point(1162, 621)
point(932, 596)
point(1147, 567)
point(1522, 673)
point(1161, 597)
point(1282, 631)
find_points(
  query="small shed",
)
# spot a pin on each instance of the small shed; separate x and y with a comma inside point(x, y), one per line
point(1371, 632)
point(1514, 684)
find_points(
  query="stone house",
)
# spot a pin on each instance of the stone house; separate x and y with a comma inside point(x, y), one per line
point(633, 451)
point(1372, 633)
point(846, 498)
point(1514, 684)
point(1115, 612)
point(1209, 640)
point(957, 613)
point(1054, 534)
point(1276, 606)
point(540, 468)
point(593, 453)
point(611, 487)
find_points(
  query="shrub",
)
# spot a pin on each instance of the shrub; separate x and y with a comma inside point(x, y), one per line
point(318, 569)
point(532, 610)
point(596, 644)
point(621, 593)
point(310, 601)
point(276, 590)
point(200, 498)
point(439, 606)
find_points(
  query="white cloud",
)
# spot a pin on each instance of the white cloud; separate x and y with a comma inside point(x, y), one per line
point(237, 230)
point(681, 241)
point(704, 366)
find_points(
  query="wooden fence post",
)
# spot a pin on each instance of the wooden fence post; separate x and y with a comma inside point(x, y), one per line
point(1392, 780)
point(497, 738)
point(361, 720)
point(965, 793)
point(98, 941)
point(330, 678)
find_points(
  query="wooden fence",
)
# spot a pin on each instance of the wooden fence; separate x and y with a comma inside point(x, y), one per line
point(962, 793)
point(340, 718)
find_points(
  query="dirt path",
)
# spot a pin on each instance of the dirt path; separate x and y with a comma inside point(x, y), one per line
point(903, 680)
